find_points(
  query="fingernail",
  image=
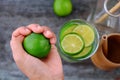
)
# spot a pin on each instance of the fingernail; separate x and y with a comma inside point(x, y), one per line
point(39, 29)
point(27, 30)
point(48, 32)
point(53, 41)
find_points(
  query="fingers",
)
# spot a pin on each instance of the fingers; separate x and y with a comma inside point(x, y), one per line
point(49, 34)
point(21, 31)
point(36, 28)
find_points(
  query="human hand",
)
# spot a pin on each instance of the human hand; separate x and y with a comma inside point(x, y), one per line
point(49, 68)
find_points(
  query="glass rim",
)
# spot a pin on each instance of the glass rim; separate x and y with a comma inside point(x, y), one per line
point(107, 11)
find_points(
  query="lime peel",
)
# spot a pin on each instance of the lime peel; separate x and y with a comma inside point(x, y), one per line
point(36, 45)
point(83, 53)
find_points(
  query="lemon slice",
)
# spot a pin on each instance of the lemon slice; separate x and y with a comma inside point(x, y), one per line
point(72, 43)
point(87, 33)
point(67, 29)
point(83, 53)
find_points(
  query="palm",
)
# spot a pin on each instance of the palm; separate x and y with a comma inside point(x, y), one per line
point(53, 61)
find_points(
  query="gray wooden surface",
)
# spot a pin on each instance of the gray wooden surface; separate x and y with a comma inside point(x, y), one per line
point(15, 13)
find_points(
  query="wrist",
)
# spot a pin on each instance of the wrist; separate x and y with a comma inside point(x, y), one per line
point(40, 78)
point(59, 78)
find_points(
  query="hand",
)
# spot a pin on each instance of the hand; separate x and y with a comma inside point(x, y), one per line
point(49, 68)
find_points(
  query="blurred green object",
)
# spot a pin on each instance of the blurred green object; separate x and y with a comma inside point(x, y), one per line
point(62, 7)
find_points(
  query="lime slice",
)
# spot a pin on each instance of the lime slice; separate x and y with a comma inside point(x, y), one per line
point(87, 33)
point(83, 53)
point(72, 43)
point(67, 29)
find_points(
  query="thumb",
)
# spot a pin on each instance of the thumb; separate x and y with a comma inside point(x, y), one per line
point(17, 48)
point(16, 42)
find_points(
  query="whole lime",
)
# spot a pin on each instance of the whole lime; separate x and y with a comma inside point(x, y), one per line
point(37, 45)
point(62, 7)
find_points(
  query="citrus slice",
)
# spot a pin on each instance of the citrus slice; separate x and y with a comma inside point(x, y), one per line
point(67, 29)
point(83, 53)
point(87, 33)
point(72, 43)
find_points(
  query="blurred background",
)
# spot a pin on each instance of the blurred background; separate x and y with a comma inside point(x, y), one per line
point(15, 13)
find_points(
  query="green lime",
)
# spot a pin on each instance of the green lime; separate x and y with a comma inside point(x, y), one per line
point(62, 7)
point(87, 33)
point(83, 53)
point(68, 28)
point(72, 43)
point(37, 45)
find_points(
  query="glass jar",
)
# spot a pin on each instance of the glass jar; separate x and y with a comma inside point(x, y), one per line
point(105, 9)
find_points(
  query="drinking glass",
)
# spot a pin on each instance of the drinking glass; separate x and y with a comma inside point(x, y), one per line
point(95, 44)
